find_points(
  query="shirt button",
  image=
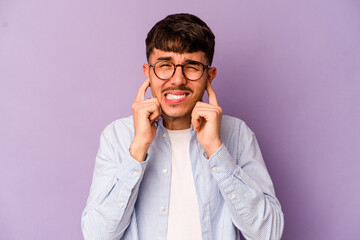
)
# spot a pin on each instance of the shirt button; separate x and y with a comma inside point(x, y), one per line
point(122, 205)
point(162, 209)
point(164, 135)
point(233, 196)
point(135, 174)
point(214, 169)
point(165, 170)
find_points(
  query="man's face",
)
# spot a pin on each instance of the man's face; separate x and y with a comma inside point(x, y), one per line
point(177, 95)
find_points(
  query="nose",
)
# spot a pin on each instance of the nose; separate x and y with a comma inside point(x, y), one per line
point(178, 78)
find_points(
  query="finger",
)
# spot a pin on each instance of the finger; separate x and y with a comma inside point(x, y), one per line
point(203, 107)
point(155, 114)
point(138, 105)
point(212, 96)
point(206, 113)
point(146, 109)
point(154, 117)
point(149, 100)
point(196, 123)
point(198, 118)
point(142, 90)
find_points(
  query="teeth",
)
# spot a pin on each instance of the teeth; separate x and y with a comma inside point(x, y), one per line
point(171, 96)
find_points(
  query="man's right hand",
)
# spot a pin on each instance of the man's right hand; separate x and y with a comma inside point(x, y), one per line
point(145, 113)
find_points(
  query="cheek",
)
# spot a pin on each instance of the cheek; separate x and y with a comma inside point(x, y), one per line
point(153, 93)
point(155, 90)
point(200, 91)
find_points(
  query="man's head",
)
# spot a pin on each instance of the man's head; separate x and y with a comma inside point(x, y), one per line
point(179, 50)
point(181, 33)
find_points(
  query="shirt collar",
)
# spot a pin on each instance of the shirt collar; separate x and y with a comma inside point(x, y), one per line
point(160, 123)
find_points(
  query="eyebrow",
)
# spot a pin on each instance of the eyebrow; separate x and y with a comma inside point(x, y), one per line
point(192, 61)
point(170, 58)
point(164, 58)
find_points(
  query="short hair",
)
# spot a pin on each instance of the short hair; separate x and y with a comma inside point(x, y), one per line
point(181, 33)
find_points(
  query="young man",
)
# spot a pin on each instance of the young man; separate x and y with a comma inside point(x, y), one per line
point(177, 168)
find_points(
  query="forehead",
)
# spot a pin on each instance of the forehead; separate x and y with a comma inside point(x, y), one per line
point(177, 58)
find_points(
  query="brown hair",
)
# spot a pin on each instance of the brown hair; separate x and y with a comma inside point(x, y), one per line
point(181, 33)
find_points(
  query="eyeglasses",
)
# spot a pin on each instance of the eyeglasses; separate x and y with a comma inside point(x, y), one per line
point(192, 70)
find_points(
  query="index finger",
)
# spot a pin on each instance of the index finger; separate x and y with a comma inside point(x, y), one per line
point(212, 96)
point(142, 90)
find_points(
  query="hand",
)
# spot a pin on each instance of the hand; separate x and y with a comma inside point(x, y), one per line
point(206, 120)
point(145, 113)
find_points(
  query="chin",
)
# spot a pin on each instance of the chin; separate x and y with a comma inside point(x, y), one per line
point(177, 111)
point(175, 114)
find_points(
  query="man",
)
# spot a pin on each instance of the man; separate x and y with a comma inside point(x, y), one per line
point(178, 169)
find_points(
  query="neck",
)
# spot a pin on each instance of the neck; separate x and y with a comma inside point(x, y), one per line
point(177, 123)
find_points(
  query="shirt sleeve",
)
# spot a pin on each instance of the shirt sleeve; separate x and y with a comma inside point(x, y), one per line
point(248, 191)
point(113, 193)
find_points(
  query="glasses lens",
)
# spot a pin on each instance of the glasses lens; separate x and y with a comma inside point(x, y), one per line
point(164, 69)
point(193, 71)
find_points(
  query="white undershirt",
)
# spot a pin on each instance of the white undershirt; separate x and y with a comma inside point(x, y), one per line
point(183, 219)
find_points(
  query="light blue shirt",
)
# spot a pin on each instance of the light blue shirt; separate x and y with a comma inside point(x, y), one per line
point(130, 200)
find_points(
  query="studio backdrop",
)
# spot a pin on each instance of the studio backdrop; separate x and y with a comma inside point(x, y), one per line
point(289, 69)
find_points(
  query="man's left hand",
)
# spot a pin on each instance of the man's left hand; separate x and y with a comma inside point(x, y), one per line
point(206, 120)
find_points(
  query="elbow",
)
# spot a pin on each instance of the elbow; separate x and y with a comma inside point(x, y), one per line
point(277, 225)
point(95, 227)
point(88, 227)
point(273, 224)
point(269, 224)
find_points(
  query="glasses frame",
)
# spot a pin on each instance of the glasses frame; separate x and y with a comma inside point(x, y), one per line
point(182, 69)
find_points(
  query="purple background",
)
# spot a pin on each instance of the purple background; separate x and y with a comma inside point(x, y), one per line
point(290, 69)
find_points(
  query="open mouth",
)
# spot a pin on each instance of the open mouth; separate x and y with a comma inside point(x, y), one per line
point(175, 97)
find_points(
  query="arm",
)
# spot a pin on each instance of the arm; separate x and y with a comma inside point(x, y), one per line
point(117, 179)
point(113, 193)
point(248, 191)
point(247, 188)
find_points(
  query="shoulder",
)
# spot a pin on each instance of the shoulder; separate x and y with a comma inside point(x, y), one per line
point(123, 127)
point(234, 124)
point(235, 131)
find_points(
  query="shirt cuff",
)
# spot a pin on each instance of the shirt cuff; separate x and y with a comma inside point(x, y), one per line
point(221, 164)
point(132, 170)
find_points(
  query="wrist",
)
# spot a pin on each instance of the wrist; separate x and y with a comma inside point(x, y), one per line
point(210, 150)
point(138, 151)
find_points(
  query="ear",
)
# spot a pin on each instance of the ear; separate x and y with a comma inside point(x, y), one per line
point(146, 70)
point(211, 74)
